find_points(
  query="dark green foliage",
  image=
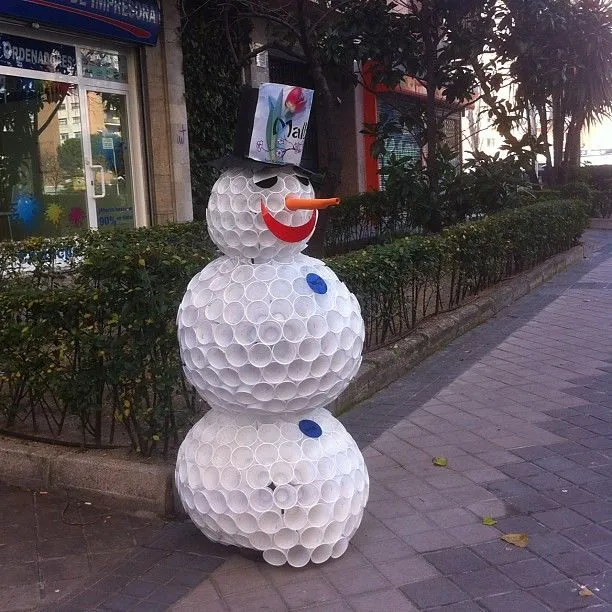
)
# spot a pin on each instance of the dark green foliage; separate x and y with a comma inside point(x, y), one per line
point(93, 350)
point(79, 347)
point(212, 91)
point(399, 283)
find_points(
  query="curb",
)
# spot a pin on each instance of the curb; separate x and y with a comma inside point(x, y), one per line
point(111, 477)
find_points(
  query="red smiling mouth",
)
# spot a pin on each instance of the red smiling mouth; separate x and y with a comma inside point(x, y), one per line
point(288, 233)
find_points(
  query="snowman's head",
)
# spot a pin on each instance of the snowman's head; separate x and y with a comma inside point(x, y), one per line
point(263, 214)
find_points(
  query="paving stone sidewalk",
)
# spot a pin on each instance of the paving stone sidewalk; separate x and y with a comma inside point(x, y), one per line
point(522, 409)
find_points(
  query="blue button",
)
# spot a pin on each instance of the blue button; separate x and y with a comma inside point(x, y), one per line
point(310, 428)
point(316, 283)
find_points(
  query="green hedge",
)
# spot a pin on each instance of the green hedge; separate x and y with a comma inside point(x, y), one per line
point(91, 354)
point(399, 283)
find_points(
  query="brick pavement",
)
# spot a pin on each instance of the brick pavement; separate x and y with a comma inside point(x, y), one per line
point(522, 409)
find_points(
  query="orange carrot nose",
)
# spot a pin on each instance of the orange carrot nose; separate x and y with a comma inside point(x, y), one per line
point(293, 203)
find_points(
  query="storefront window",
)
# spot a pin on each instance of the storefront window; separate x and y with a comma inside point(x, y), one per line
point(104, 65)
point(42, 179)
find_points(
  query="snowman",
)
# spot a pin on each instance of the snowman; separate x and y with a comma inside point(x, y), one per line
point(268, 337)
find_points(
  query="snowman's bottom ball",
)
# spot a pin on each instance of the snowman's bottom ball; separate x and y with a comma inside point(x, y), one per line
point(293, 486)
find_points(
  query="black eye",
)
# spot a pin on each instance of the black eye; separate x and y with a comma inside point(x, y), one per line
point(304, 181)
point(267, 183)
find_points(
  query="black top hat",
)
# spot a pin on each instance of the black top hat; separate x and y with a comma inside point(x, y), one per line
point(271, 128)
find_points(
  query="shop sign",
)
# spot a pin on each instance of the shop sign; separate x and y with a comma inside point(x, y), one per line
point(38, 55)
point(129, 20)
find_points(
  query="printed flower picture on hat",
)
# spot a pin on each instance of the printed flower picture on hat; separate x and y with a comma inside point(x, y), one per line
point(280, 124)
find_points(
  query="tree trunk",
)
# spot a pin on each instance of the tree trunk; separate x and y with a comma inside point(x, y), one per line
point(572, 146)
point(430, 40)
point(326, 106)
point(558, 126)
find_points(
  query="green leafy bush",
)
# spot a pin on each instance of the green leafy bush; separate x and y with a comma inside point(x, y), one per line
point(399, 283)
point(92, 348)
point(98, 340)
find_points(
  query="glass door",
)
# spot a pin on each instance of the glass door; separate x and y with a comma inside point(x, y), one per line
point(108, 166)
point(42, 175)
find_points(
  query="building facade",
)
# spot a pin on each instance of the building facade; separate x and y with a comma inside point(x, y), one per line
point(93, 125)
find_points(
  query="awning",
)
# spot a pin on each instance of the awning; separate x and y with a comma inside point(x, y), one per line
point(135, 21)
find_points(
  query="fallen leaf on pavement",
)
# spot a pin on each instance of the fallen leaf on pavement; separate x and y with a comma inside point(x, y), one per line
point(517, 539)
point(489, 521)
point(585, 592)
point(440, 461)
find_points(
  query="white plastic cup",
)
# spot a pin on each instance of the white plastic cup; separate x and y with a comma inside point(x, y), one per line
point(249, 374)
point(257, 312)
point(229, 377)
point(246, 435)
point(265, 273)
point(203, 454)
point(201, 503)
point(223, 334)
point(269, 522)
point(285, 496)
point(217, 501)
point(214, 310)
point(261, 500)
point(268, 432)
point(321, 553)
point(298, 556)
point(333, 532)
point(266, 454)
point(339, 548)
point(294, 330)
point(311, 537)
point(242, 457)
point(274, 373)
point(190, 338)
point(216, 358)
point(342, 509)
point(308, 495)
point(326, 468)
point(233, 313)
point(230, 478)
point(319, 514)
point(308, 387)
point(234, 292)
point(320, 366)
point(286, 538)
point(245, 334)
point(237, 501)
point(260, 355)
point(335, 321)
point(305, 472)
point(281, 473)
point(286, 390)
point(189, 316)
point(330, 491)
point(281, 310)
point(329, 344)
point(290, 451)
point(270, 332)
point(210, 477)
point(263, 392)
point(296, 518)
point(280, 289)
point(290, 431)
point(227, 524)
point(309, 349)
point(304, 305)
point(260, 540)
point(311, 447)
point(284, 351)
point(221, 456)
point(256, 291)
point(246, 522)
point(317, 326)
point(275, 557)
point(298, 370)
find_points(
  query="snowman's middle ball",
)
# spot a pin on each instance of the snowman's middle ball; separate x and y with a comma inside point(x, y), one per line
point(276, 336)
